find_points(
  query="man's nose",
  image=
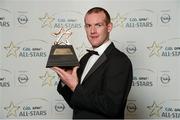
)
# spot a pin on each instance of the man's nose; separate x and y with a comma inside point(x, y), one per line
point(93, 29)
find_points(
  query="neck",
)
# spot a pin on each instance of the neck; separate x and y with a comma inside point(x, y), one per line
point(94, 47)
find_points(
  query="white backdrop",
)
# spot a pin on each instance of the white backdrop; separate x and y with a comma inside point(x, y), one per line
point(147, 31)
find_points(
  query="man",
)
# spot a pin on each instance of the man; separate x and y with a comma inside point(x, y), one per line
point(99, 87)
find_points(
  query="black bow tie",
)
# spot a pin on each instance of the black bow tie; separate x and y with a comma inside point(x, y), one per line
point(93, 52)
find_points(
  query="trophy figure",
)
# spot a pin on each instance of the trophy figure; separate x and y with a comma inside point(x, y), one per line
point(62, 54)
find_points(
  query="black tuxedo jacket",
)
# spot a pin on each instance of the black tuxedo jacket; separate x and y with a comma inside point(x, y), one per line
point(104, 91)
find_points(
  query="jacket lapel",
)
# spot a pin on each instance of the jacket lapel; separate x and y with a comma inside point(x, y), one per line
point(100, 61)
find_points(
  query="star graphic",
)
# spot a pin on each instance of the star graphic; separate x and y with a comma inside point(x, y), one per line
point(46, 20)
point(12, 50)
point(47, 79)
point(154, 110)
point(12, 109)
point(118, 20)
point(155, 48)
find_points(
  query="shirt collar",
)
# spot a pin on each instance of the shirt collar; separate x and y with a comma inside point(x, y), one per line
point(103, 47)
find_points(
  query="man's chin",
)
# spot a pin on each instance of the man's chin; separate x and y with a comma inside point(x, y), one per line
point(95, 46)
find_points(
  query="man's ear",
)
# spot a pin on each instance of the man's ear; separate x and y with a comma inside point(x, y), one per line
point(110, 26)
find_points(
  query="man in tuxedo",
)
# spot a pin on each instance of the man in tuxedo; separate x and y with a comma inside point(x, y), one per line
point(99, 86)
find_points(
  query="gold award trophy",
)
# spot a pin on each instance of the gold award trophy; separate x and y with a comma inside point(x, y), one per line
point(62, 54)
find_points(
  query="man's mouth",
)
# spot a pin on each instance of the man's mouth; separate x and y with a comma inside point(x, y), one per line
point(94, 37)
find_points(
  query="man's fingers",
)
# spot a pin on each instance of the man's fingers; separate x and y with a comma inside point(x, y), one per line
point(75, 70)
point(58, 71)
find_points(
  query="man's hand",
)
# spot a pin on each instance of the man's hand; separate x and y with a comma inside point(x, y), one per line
point(69, 77)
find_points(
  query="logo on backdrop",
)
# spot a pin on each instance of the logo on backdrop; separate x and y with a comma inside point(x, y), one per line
point(128, 47)
point(5, 78)
point(68, 19)
point(166, 77)
point(46, 20)
point(11, 110)
point(11, 49)
point(48, 79)
point(169, 109)
point(23, 78)
point(65, 19)
point(26, 49)
point(154, 49)
point(131, 107)
point(5, 18)
point(154, 109)
point(119, 20)
point(167, 48)
point(59, 107)
point(144, 78)
point(22, 18)
point(131, 48)
point(28, 108)
point(165, 17)
point(140, 18)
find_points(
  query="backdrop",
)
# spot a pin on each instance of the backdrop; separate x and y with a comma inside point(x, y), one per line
point(148, 31)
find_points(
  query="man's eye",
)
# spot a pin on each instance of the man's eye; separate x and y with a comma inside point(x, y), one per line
point(87, 26)
point(98, 25)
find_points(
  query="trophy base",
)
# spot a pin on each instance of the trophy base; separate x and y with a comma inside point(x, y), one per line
point(62, 56)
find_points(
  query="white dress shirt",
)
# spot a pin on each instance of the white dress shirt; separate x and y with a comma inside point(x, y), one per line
point(94, 58)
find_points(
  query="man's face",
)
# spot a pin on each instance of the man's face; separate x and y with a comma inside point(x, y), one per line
point(97, 29)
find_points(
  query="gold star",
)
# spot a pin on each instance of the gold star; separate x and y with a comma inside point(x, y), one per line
point(118, 20)
point(47, 79)
point(12, 109)
point(12, 50)
point(155, 109)
point(155, 48)
point(46, 20)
